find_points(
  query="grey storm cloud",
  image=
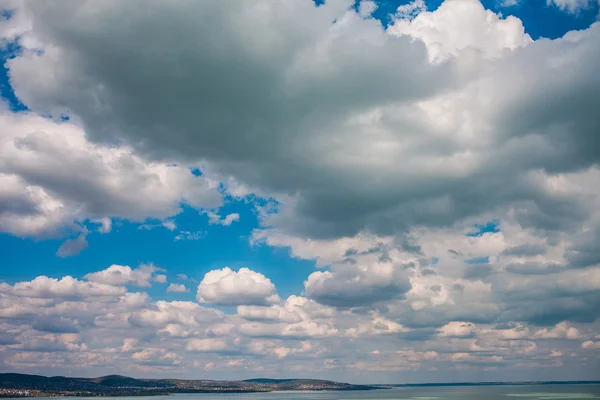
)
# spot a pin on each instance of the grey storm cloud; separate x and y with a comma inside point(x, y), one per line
point(6, 340)
point(55, 325)
point(525, 249)
point(357, 286)
point(304, 109)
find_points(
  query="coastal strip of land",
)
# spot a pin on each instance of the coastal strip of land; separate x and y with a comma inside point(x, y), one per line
point(22, 385)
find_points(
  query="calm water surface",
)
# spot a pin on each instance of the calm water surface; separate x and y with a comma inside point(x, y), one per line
point(530, 392)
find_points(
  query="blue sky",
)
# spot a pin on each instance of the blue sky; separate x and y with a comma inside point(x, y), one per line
point(433, 174)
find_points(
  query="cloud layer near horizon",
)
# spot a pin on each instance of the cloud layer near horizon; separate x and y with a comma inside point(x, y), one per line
point(99, 324)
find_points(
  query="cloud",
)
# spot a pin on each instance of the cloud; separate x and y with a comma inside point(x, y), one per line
point(155, 357)
point(560, 331)
point(124, 331)
point(121, 275)
point(55, 326)
point(571, 6)
point(294, 309)
point(588, 344)
point(509, 3)
point(7, 340)
point(129, 345)
point(457, 330)
point(441, 29)
point(294, 331)
point(187, 235)
point(75, 246)
point(44, 197)
point(443, 287)
point(526, 249)
point(66, 287)
point(169, 224)
point(366, 8)
point(105, 225)
point(214, 218)
point(584, 251)
point(393, 104)
point(244, 287)
point(411, 10)
point(163, 313)
point(207, 345)
point(177, 288)
point(376, 327)
point(359, 286)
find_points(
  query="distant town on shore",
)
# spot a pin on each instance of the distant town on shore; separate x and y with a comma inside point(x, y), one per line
point(22, 385)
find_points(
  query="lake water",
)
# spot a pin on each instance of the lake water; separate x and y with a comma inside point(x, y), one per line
point(520, 392)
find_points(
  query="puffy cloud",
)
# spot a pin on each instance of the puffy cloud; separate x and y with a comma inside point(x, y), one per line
point(62, 331)
point(444, 33)
point(128, 345)
point(244, 287)
point(207, 345)
point(463, 128)
point(121, 275)
point(273, 313)
point(66, 288)
point(359, 286)
point(443, 288)
point(401, 360)
point(283, 71)
point(410, 10)
point(156, 357)
point(52, 176)
point(377, 326)
point(214, 218)
point(184, 313)
point(589, 344)
point(556, 353)
point(295, 309)
point(177, 288)
point(298, 330)
point(457, 329)
point(276, 349)
point(560, 331)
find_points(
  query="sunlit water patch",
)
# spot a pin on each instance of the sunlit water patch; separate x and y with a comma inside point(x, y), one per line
point(555, 396)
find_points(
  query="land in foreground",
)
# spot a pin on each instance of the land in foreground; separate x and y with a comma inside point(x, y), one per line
point(22, 385)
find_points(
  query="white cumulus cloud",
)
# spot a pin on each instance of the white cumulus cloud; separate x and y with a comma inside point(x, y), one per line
point(244, 287)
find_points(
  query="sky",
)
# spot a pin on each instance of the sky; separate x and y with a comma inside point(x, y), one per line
point(370, 192)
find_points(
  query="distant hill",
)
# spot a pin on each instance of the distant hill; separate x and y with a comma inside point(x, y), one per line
point(12, 385)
